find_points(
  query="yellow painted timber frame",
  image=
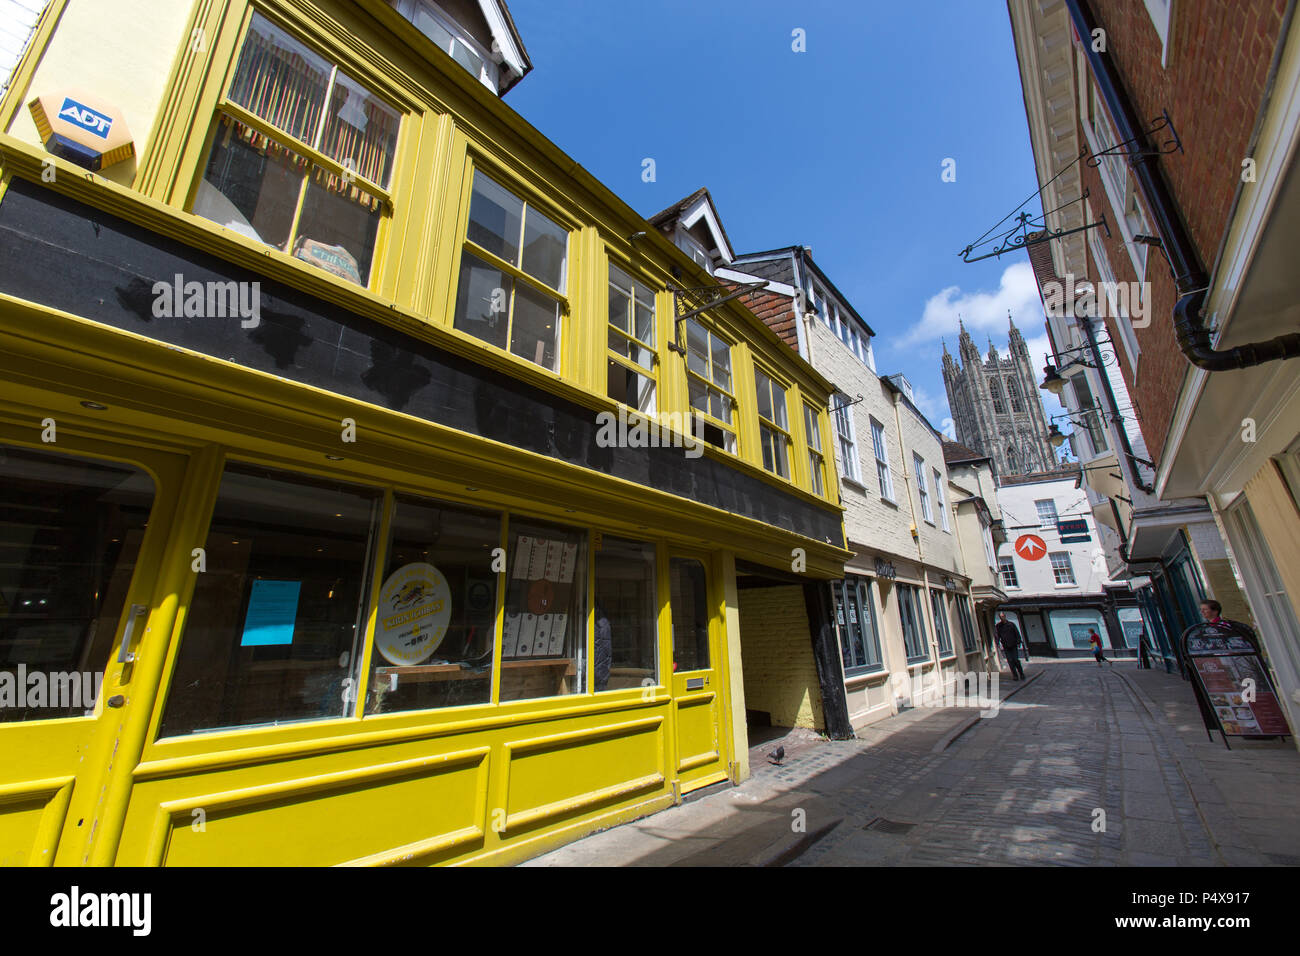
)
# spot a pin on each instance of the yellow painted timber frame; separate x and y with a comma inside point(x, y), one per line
point(451, 124)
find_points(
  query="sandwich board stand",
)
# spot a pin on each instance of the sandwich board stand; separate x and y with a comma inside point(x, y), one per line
point(1231, 682)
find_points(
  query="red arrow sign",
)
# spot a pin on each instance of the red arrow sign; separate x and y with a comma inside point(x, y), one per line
point(1031, 547)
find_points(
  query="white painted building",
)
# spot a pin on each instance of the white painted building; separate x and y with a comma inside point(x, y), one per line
point(1054, 571)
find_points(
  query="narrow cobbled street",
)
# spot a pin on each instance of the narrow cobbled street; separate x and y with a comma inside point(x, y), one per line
point(1081, 766)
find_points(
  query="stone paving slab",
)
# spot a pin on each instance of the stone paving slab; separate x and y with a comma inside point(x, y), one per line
point(1075, 749)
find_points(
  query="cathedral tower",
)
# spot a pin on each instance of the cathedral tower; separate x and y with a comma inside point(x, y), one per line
point(995, 404)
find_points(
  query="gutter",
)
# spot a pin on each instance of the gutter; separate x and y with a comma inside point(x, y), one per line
point(1190, 279)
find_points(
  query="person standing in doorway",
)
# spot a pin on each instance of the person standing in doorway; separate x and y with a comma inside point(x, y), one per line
point(1009, 637)
point(1095, 640)
point(1144, 660)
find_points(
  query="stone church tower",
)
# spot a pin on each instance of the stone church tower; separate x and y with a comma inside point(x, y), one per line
point(995, 405)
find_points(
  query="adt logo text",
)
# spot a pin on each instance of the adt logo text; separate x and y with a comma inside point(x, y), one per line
point(86, 118)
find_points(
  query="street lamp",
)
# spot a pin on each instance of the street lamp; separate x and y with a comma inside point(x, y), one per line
point(1052, 381)
point(1055, 437)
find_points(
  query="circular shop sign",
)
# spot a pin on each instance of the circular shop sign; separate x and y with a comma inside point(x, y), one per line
point(414, 609)
point(1031, 547)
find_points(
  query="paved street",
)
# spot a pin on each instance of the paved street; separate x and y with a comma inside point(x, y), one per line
point(943, 787)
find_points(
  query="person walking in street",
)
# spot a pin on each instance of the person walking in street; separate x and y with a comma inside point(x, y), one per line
point(1009, 637)
point(1144, 659)
point(1095, 640)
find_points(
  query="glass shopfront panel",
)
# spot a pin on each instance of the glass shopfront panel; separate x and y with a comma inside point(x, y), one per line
point(436, 615)
point(70, 534)
point(544, 637)
point(690, 609)
point(627, 611)
point(278, 613)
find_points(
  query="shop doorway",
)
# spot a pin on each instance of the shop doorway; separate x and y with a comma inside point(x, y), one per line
point(82, 614)
point(696, 686)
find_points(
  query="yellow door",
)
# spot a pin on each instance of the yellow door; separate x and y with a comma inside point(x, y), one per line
point(81, 538)
point(696, 681)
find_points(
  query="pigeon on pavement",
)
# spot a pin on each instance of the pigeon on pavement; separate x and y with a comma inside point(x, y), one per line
point(777, 755)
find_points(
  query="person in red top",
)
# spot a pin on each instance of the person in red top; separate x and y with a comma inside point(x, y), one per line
point(1095, 640)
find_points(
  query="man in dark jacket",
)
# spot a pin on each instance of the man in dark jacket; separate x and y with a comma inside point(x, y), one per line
point(1009, 637)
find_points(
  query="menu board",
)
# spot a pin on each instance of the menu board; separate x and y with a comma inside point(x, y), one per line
point(1234, 681)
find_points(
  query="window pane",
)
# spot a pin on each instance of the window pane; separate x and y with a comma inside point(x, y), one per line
point(644, 327)
point(544, 641)
point(699, 394)
point(360, 131)
point(620, 345)
point(721, 364)
point(545, 244)
point(251, 184)
point(466, 57)
point(436, 618)
point(430, 27)
point(620, 306)
point(628, 387)
point(69, 540)
point(627, 607)
point(336, 232)
point(690, 610)
point(276, 620)
point(810, 425)
point(763, 385)
point(535, 327)
point(495, 216)
point(697, 349)
point(719, 406)
point(778, 405)
point(483, 300)
point(281, 80)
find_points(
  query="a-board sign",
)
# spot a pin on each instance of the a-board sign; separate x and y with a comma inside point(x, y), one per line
point(1232, 681)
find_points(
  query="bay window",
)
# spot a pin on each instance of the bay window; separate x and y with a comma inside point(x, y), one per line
point(708, 383)
point(513, 271)
point(632, 357)
point(773, 432)
point(816, 460)
point(301, 157)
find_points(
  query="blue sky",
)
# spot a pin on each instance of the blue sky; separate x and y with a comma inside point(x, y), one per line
point(839, 147)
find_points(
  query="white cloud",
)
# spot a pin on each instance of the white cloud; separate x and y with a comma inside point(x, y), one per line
point(1017, 293)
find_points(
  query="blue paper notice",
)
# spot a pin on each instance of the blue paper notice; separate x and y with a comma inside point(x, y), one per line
point(272, 609)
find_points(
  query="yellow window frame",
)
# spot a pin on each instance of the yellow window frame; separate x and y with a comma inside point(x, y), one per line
point(774, 380)
point(712, 333)
point(816, 456)
point(651, 373)
point(526, 195)
point(314, 156)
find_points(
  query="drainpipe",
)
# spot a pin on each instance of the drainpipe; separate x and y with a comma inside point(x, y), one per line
point(1190, 280)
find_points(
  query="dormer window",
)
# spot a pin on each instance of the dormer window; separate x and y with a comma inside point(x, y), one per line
point(695, 250)
point(451, 38)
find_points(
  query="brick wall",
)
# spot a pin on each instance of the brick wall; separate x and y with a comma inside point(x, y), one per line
point(1220, 52)
point(777, 660)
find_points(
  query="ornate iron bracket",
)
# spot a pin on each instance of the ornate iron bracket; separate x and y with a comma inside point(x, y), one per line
point(705, 298)
point(1174, 145)
point(1027, 231)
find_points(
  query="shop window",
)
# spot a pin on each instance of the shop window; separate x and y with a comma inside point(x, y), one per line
point(1062, 570)
point(544, 637)
point(512, 275)
point(708, 383)
point(435, 623)
point(967, 625)
point(301, 157)
point(909, 611)
point(689, 594)
point(1007, 568)
point(855, 617)
point(816, 460)
point(939, 605)
point(277, 619)
point(627, 611)
point(773, 429)
point(68, 546)
point(632, 355)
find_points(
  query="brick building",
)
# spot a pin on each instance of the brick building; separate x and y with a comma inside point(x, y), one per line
point(1165, 134)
